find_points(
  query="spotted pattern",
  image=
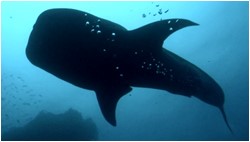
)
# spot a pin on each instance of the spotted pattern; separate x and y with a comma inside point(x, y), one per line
point(151, 65)
point(95, 28)
point(157, 67)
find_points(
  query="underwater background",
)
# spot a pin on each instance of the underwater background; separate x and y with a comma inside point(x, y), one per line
point(219, 46)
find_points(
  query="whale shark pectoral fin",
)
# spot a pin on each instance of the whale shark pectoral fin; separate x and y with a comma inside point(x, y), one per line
point(108, 98)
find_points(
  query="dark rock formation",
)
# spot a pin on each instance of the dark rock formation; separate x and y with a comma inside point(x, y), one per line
point(47, 126)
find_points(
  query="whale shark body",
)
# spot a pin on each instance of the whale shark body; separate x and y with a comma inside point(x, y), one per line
point(97, 54)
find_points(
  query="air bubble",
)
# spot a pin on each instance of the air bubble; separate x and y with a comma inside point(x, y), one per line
point(92, 30)
point(117, 68)
point(98, 20)
point(87, 23)
point(135, 53)
point(169, 22)
point(98, 26)
point(121, 75)
point(142, 66)
point(176, 20)
point(113, 34)
point(85, 14)
point(104, 50)
point(170, 28)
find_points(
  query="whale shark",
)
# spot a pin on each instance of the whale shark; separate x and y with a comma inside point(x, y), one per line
point(96, 54)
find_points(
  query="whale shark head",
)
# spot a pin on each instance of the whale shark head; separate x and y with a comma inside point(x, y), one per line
point(99, 55)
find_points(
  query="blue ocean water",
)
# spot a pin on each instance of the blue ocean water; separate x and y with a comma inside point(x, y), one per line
point(219, 46)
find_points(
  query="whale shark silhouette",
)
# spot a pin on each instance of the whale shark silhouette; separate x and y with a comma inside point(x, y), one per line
point(97, 54)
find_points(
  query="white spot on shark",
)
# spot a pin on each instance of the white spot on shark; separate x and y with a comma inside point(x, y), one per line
point(98, 32)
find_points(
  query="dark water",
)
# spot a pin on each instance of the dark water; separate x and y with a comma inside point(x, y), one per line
point(219, 46)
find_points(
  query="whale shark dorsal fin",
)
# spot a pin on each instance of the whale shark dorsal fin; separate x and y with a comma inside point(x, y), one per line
point(155, 33)
point(108, 97)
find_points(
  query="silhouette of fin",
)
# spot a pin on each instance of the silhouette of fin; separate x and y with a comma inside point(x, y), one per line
point(155, 33)
point(225, 118)
point(108, 98)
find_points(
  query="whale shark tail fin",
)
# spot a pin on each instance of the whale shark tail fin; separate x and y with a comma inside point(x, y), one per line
point(225, 118)
point(155, 33)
